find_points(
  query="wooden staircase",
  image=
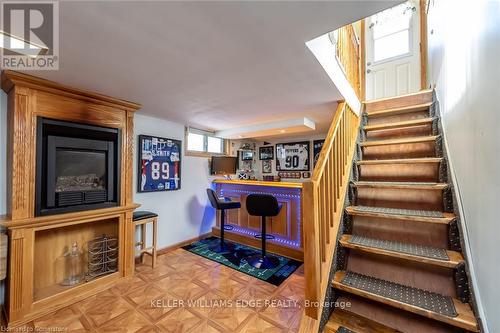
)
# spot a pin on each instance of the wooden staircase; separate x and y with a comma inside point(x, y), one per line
point(400, 270)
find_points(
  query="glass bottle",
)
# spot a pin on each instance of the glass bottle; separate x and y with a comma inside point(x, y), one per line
point(73, 266)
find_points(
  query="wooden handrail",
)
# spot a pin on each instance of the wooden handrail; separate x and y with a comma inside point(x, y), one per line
point(323, 203)
point(348, 56)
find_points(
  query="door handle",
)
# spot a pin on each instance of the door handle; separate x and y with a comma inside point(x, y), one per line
point(368, 71)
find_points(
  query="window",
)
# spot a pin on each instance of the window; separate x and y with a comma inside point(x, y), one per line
point(391, 32)
point(203, 142)
point(214, 145)
point(196, 142)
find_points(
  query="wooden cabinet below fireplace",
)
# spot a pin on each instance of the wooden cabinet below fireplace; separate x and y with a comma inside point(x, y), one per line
point(36, 243)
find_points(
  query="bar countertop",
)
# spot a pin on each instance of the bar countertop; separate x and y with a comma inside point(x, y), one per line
point(259, 183)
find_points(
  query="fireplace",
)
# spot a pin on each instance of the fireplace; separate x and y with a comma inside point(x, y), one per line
point(77, 167)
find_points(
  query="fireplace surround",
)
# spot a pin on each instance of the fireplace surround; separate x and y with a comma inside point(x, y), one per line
point(77, 167)
point(104, 127)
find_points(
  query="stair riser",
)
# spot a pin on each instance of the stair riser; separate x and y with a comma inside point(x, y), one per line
point(399, 102)
point(400, 132)
point(395, 318)
point(406, 231)
point(400, 150)
point(345, 318)
point(400, 198)
point(397, 117)
point(405, 272)
point(417, 172)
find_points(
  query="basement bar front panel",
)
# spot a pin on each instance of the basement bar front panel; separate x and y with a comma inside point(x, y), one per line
point(285, 229)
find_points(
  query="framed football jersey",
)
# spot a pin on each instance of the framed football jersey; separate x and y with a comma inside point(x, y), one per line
point(159, 164)
point(293, 156)
point(317, 146)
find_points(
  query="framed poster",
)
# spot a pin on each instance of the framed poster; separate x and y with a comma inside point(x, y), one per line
point(317, 146)
point(247, 155)
point(267, 166)
point(292, 156)
point(159, 164)
point(266, 153)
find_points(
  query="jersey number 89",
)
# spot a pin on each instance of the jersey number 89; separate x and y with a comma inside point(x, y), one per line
point(159, 170)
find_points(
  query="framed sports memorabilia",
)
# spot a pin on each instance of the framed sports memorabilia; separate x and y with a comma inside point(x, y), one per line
point(247, 155)
point(293, 156)
point(266, 153)
point(159, 164)
point(317, 146)
point(267, 166)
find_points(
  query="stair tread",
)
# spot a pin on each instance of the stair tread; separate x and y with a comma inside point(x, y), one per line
point(402, 161)
point(416, 139)
point(378, 100)
point(399, 110)
point(432, 305)
point(354, 322)
point(392, 125)
point(402, 214)
point(402, 185)
point(417, 253)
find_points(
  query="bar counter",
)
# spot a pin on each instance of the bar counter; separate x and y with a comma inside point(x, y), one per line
point(286, 228)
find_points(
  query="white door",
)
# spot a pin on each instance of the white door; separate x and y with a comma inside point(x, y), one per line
point(393, 52)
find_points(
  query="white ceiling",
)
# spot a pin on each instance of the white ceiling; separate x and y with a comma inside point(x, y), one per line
point(212, 65)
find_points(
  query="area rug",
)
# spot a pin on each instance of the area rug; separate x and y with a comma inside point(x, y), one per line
point(236, 260)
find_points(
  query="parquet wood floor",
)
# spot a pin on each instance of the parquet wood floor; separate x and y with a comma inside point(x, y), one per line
point(185, 293)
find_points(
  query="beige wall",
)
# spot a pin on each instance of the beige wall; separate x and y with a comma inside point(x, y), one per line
point(185, 213)
point(464, 49)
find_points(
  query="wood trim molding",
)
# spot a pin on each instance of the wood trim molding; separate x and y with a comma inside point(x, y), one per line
point(259, 183)
point(170, 248)
point(12, 78)
point(362, 61)
point(423, 45)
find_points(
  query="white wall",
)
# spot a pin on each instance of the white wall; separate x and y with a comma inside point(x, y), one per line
point(185, 213)
point(324, 51)
point(464, 49)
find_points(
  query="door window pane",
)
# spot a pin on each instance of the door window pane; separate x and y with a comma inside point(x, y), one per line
point(391, 32)
point(392, 20)
point(392, 46)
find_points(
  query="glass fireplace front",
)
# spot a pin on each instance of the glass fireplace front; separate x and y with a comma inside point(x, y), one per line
point(77, 167)
point(79, 170)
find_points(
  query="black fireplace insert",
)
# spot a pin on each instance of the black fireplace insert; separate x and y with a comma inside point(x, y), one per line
point(77, 167)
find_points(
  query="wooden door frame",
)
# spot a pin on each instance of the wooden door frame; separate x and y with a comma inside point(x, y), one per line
point(423, 44)
point(423, 50)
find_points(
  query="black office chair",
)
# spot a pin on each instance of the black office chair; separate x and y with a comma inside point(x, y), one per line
point(263, 205)
point(222, 205)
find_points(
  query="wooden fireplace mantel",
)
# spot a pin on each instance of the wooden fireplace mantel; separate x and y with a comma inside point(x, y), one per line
point(28, 98)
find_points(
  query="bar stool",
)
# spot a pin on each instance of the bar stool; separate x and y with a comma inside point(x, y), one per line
point(142, 218)
point(263, 205)
point(221, 204)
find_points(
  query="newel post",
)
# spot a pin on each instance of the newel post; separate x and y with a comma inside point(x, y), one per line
point(312, 267)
